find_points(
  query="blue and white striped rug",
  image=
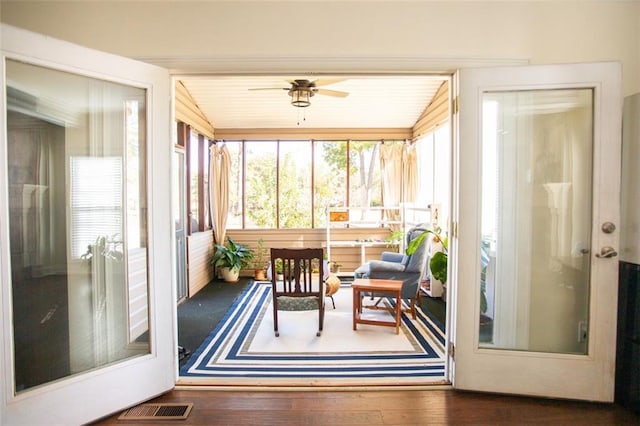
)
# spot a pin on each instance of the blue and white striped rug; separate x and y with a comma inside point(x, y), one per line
point(243, 350)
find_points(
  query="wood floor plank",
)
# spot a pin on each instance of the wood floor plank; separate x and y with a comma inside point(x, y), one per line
point(381, 407)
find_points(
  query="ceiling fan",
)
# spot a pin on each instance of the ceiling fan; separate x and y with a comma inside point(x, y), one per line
point(301, 91)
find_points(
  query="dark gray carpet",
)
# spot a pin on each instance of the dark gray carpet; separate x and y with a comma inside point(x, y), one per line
point(198, 315)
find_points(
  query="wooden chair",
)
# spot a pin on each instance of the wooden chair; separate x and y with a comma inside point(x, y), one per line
point(299, 287)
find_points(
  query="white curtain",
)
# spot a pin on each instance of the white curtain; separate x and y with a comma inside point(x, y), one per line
point(219, 167)
point(410, 173)
point(399, 166)
point(391, 167)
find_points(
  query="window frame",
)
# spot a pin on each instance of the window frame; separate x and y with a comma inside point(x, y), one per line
point(200, 143)
point(313, 175)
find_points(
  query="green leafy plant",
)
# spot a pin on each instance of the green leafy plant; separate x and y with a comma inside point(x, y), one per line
point(439, 259)
point(394, 238)
point(231, 255)
point(279, 266)
point(258, 260)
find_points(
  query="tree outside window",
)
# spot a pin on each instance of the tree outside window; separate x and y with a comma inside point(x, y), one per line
point(294, 184)
point(364, 177)
point(260, 184)
point(236, 178)
point(290, 184)
point(330, 178)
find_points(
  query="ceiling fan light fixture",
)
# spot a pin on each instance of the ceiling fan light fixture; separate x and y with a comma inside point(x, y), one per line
point(300, 97)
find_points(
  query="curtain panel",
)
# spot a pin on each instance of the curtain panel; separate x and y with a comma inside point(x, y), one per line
point(219, 167)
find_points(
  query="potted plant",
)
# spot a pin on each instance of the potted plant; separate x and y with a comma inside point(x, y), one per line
point(335, 267)
point(440, 259)
point(231, 258)
point(259, 262)
point(279, 270)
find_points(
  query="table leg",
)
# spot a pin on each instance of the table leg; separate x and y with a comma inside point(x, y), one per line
point(398, 311)
point(356, 295)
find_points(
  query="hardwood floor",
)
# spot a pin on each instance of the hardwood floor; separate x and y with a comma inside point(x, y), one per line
point(381, 407)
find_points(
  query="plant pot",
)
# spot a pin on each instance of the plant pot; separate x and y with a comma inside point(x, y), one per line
point(230, 275)
point(259, 275)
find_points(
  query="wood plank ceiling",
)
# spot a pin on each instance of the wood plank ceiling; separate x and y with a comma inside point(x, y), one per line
point(373, 101)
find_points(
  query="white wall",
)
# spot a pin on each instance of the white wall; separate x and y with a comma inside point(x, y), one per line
point(630, 212)
point(261, 35)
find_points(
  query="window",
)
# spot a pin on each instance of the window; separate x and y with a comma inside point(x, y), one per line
point(261, 183)
point(289, 184)
point(236, 179)
point(434, 172)
point(197, 177)
point(330, 178)
point(365, 189)
point(294, 183)
point(96, 201)
point(194, 174)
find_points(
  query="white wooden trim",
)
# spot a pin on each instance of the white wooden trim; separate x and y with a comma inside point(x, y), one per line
point(245, 65)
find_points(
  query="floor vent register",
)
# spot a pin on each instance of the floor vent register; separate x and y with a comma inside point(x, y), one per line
point(166, 411)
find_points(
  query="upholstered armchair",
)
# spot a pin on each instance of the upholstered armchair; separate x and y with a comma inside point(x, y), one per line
point(398, 266)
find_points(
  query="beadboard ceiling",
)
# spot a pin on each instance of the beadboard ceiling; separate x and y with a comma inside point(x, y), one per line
point(373, 101)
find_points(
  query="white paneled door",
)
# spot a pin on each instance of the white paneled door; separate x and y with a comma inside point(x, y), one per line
point(536, 229)
point(88, 310)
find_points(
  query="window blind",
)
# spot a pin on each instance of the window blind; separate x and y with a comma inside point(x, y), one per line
point(96, 201)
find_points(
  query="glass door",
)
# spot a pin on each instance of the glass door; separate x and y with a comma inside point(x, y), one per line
point(77, 201)
point(537, 237)
point(83, 149)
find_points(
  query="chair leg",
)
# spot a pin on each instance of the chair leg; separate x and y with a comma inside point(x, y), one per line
point(333, 302)
point(275, 318)
point(413, 307)
point(320, 317)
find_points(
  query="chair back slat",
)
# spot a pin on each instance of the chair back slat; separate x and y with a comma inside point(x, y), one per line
point(298, 283)
point(298, 266)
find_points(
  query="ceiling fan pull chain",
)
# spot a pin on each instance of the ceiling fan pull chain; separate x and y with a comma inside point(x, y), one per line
point(304, 116)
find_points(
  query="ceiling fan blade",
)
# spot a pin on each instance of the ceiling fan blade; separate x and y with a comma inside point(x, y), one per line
point(327, 81)
point(269, 88)
point(335, 93)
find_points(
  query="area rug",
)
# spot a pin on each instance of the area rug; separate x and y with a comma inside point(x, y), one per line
point(243, 350)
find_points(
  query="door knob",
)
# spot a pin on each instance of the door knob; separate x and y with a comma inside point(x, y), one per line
point(608, 227)
point(606, 252)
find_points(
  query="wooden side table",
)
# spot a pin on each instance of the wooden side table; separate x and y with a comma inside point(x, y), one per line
point(363, 285)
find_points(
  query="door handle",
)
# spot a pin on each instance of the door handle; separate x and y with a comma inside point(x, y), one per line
point(607, 252)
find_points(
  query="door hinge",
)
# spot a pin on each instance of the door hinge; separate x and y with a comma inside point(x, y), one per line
point(452, 350)
point(454, 229)
point(454, 105)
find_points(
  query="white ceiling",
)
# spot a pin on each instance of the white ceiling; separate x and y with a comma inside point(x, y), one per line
point(373, 101)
